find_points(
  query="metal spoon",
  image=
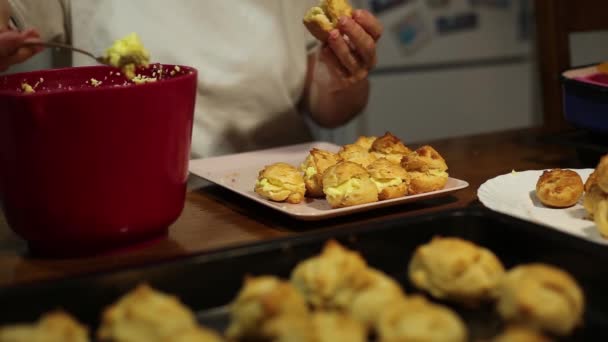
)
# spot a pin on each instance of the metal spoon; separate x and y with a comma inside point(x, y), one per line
point(102, 60)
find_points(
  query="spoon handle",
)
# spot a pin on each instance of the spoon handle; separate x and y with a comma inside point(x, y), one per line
point(62, 46)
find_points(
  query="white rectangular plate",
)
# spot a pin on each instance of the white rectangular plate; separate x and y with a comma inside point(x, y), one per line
point(239, 172)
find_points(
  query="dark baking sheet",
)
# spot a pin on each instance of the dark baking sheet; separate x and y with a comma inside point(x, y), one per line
point(207, 282)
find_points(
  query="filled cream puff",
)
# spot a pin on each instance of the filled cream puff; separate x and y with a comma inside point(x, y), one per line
point(391, 179)
point(313, 168)
point(390, 147)
point(281, 182)
point(427, 170)
point(53, 327)
point(356, 154)
point(347, 184)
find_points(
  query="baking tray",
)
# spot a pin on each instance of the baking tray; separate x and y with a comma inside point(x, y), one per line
point(585, 98)
point(207, 282)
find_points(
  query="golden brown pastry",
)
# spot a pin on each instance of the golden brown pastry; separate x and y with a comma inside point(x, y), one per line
point(517, 333)
point(593, 194)
point(331, 279)
point(602, 173)
point(427, 170)
point(321, 19)
point(338, 327)
point(366, 142)
point(356, 154)
point(313, 167)
point(391, 179)
point(281, 182)
point(287, 328)
point(416, 319)
point(456, 269)
point(390, 147)
point(346, 184)
point(369, 303)
point(542, 297)
point(198, 334)
point(145, 314)
point(559, 188)
point(56, 326)
point(261, 300)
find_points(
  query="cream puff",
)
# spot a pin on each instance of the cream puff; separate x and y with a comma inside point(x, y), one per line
point(347, 184)
point(52, 327)
point(366, 142)
point(313, 168)
point(456, 269)
point(337, 327)
point(542, 297)
point(602, 173)
point(390, 147)
point(331, 279)
point(427, 170)
point(516, 333)
point(416, 319)
point(391, 179)
point(197, 334)
point(369, 302)
point(260, 301)
point(559, 188)
point(281, 182)
point(145, 314)
point(356, 154)
point(322, 19)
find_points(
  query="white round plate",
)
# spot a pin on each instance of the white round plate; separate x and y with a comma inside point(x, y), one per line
point(514, 194)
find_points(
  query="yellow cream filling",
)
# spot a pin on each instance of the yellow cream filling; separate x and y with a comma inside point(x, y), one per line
point(343, 189)
point(274, 186)
point(384, 183)
point(316, 14)
point(128, 53)
point(27, 88)
point(310, 172)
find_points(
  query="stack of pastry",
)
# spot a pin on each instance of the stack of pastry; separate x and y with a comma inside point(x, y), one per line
point(369, 170)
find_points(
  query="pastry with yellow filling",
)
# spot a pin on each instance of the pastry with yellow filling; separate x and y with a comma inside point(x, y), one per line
point(281, 182)
point(542, 297)
point(55, 326)
point(337, 327)
point(260, 301)
point(427, 170)
point(331, 279)
point(390, 147)
point(370, 301)
point(145, 314)
point(356, 154)
point(515, 333)
point(416, 319)
point(322, 19)
point(391, 179)
point(559, 188)
point(455, 269)
point(346, 184)
point(313, 167)
point(127, 54)
point(366, 142)
point(602, 173)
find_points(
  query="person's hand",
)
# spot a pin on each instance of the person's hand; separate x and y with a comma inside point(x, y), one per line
point(12, 50)
point(350, 52)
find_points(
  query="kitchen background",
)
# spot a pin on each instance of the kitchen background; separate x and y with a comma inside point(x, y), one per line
point(449, 68)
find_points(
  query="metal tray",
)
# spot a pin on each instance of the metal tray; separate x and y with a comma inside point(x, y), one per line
point(207, 282)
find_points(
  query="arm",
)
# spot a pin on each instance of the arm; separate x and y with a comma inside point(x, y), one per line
point(337, 87)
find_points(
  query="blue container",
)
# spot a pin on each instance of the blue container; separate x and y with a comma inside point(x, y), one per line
point(586, 98)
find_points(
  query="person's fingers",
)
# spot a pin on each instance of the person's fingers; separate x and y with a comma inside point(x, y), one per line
point(20, 56)
point(343, 52)
point(9, 43)
point(330, 59)
point(364, 44)
point(369, 23)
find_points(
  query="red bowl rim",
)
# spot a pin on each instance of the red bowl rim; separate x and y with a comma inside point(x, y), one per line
point(40, 73)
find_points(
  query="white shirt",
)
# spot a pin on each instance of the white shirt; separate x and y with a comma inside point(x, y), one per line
point(251, 56)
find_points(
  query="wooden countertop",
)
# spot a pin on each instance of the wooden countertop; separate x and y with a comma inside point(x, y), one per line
point(215, 218)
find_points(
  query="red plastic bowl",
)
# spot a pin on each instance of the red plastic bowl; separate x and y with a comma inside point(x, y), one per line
point(87, 169)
